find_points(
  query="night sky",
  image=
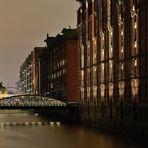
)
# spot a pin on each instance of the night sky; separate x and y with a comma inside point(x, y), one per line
point(24, 25)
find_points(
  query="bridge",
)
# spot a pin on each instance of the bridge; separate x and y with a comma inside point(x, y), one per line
point(65, 111)
point(33, 102)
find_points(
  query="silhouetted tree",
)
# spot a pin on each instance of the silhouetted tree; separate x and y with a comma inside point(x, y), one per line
point(1, 86)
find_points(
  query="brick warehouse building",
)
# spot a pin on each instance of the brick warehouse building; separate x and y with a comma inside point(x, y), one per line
point(63, 65)
point(113, 45)
point(53, 70)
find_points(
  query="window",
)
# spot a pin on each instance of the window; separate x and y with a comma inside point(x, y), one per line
point(110, 70)
point(121, 34)
point(64, 71)
point(51, 85)
point(111, 87)
point(82, 77)
point(134, 67)
point(134, 31)
point(88, 92)
point(102, 75)
point(88, 53)
point(102, 46)
point(82, 93)
point(121, 71)
point(94, 50)
point(94, 75)
point(88, 76)
point(63, 62)
point(110, 42)
point(134, 87)
point(121, 88)
point(94, 91)
point(102, 89)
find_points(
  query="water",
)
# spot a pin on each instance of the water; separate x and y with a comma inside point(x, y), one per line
point(51, 135)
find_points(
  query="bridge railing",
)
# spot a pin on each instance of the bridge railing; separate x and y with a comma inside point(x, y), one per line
point(30, 100)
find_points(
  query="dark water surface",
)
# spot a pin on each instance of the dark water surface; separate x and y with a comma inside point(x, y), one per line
point(13, 135)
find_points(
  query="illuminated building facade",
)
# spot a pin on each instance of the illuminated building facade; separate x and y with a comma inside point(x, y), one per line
point(30, 73)
point(25, 83)
point(113, 45)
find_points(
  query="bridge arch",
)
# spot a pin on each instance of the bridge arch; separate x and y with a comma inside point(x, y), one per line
point(30, 101)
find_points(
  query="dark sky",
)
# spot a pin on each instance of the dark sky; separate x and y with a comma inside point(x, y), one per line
point(24, 25)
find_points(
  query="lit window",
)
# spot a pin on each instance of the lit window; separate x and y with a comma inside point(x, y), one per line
point(82, 77)
point(135, 26)
point(102, 66)
point(94, 40)
point(88, 53)
point(134, 87)
point(102, 45)
point(102, 54)
point(122, 32)
point(111, 86)
point(51, 85)
point(110, 70)
point(63, 62)
point(102, 72)
point(88, 76)
point(111, 33)
point(110, 42)
point(94, 51)
point(82, 61)
point(135, 62)
point(111, 52)
point(133, 8)
point(82, 92)
point(110, 63)
point(122, 66)
point(94, 75)
point(102, 88)
point(88, 44)
point(111, 49)
point(119, 2)
point(122, 50)
point(86, 5)
point(121, 88)
point(95, 55)
point(88, 92)
point(94, 91)
point(95, 69)
point(82, 73)
point(135, 44)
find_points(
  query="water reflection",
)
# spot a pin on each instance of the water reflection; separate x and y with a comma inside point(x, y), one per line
point(53, 135)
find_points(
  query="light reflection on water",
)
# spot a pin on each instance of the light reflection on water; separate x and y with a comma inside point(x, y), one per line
point(51, 135)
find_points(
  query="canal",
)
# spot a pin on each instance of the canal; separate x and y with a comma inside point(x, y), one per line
point(20, 129)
